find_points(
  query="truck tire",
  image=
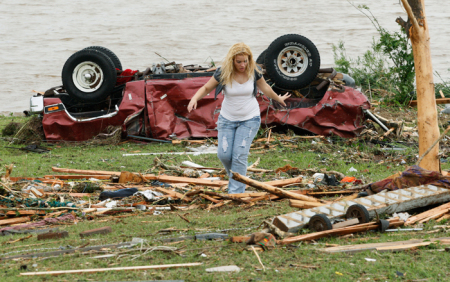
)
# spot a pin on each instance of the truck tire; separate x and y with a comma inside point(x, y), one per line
point(261, 58)
point(292, 61)
point(89, 75)
point(108, 53)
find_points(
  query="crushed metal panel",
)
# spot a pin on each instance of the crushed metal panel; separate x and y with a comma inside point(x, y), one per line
point(165, 112)
point(61, 125)
point(385, 202)
point(337, 113)
point(167, 101)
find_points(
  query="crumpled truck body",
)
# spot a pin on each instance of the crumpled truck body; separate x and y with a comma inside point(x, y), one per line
point(157, 108)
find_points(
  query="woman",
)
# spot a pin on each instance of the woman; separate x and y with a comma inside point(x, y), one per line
point(239, 118)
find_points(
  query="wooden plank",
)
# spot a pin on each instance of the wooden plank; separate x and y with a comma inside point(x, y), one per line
point(176, 179)
point(330, 193)
point(374, 246)
point(284, 182)
point(338, 232)
point(95, 270)
point(101, 230)
point(239, 239)
point(210, 198)
point(53, 214)
point(14, 220)
point(53, 235)
point(76, 195)
point(173, 194)
point(245, 195)
point(426, 214)
point(346, 223)
point(413, 103)
point(87, 172)
point(271, 189)
point(25, 212)
point(86, 176)
point(303, 204)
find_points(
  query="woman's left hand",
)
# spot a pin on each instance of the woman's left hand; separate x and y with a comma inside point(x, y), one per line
point(283, 97)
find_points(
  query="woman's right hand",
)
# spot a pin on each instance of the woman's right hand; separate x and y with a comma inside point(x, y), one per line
point(192, 105)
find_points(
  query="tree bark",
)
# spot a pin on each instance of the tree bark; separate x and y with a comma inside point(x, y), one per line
point(426, 103)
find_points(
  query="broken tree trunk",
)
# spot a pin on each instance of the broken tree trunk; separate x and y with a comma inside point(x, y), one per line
point(272, 189)
point(418, 31)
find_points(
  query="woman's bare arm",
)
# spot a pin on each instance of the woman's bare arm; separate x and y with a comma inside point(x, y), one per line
point(268, 91)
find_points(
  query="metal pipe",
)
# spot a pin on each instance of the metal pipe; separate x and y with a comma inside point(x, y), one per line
point(376, 120)
point(149, 139)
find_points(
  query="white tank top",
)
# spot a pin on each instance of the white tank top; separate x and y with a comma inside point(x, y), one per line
point(239, 103)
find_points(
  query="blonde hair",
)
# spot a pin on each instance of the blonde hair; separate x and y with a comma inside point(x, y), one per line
point(227, 69)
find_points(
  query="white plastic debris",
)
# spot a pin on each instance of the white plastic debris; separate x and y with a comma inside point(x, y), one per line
point(203, 255)
point(318, 177)
point(227, 268)
point(111, 204)
point(191, 164)
point(211, 178)
point(352, 169)
point(94, 179)
point(370, 259)
point(149, 194)
point(203, 149)
point(402, 215)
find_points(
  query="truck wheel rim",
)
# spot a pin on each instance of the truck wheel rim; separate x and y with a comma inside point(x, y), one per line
point(87, 76)
point(292, 61)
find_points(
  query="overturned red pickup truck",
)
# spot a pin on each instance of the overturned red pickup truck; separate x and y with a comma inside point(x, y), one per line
point(96, 93)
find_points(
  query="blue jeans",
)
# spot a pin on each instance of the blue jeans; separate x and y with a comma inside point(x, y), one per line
point(235, 138)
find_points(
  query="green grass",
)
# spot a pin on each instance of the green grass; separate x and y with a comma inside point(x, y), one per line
point(284, 263)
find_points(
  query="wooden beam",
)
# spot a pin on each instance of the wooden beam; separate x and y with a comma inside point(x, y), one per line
point(172, 194)
point(15, 220)
point(87, 176)
point(376, 246)
point(271, 189)
point(304, 205)
point(87, 172)
point(95, 270)
point(101, 230)
point(413, 103)
point(339, 231)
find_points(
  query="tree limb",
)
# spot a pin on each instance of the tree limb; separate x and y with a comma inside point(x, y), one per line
point(411, 16)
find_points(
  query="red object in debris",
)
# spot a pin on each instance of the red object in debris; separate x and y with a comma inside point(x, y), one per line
point(348, 179)
point(125, 76)
point(161, 105)
point(59, 124)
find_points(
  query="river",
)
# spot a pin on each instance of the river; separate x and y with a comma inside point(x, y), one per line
point(39, 36)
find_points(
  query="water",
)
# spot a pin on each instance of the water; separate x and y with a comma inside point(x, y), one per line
point(39, 36)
